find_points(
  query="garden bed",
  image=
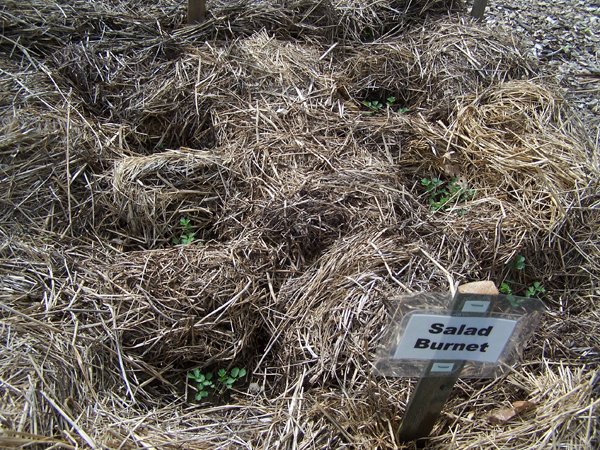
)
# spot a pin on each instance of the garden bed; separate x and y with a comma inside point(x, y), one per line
point(259, 191)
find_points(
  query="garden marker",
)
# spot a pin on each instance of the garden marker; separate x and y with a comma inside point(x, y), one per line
point(477, 336)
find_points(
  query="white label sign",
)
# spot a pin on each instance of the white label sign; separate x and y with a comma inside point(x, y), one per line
point(437, 337)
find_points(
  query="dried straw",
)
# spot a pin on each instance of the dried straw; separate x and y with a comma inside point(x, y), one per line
point(117, 120)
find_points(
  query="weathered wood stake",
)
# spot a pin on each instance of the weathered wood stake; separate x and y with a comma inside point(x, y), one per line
point(478, 9)
point(432, 390)
point(196, 11)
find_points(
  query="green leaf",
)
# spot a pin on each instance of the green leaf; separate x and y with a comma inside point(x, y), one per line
point(201, 394)
point(234, 372)
point(391, 100)
point(222, 373)
point(505, 288)
point(209, 376)
point(519, 262)
point(187, 238)
point(184, 221)
point(242, 373)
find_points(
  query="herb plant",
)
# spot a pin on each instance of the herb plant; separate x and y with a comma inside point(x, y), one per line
point(505, 288)
point(203, 382)
point(519, 262)
point(375, 106)
point(187, 235)
point(535, 289)
point(441, 194)
point(228, 379)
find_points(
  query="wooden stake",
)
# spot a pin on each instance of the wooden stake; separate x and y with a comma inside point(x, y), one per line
point(196, 11)
point(478, 9)
point(433, 389)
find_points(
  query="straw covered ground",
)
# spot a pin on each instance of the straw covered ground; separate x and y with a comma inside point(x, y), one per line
point(295, 140)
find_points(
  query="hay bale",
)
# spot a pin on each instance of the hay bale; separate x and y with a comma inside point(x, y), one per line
point(150, 193)
point(515, 141)
point(428, 68)
point(334, 311)
point(193, 304)
point(304, 212)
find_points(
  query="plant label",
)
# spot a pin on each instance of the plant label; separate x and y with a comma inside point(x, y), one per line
point(478, 336)
point(440, 338)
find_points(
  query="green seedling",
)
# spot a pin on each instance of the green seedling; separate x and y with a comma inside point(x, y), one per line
point(225, 380)
point(519, 262)
point(203, 383)
point(373, 105)
point(441, 194)
point(376, 106)
point(187, 234)
point(228, 379)
point(535, 290)
point(505, 288)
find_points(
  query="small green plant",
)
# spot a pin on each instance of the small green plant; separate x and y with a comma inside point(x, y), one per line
point(519, 262)
point(203, 383)
point(441, 193)
point(187, 234)
point(532, 291)
point(535, 290)
point(228, 379)
point(225, 380)
point(505, 288)
point(375, 106)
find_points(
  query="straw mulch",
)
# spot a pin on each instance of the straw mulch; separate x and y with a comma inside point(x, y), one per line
point(308, 216)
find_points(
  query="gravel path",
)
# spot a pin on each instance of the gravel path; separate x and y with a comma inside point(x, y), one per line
point(564, 35)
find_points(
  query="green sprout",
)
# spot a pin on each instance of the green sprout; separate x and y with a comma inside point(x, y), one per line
point(203, 383)
point(505, 288)
point(376, 106)
point(228, 379)
point(373, 105)
point(441, 194)
point(519, 262)
point(187, 234)
point(535, 289)
point(225, 381)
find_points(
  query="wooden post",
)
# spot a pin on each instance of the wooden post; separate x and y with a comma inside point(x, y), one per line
point(478, 9)
point(196, 11)
point(432, 390)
